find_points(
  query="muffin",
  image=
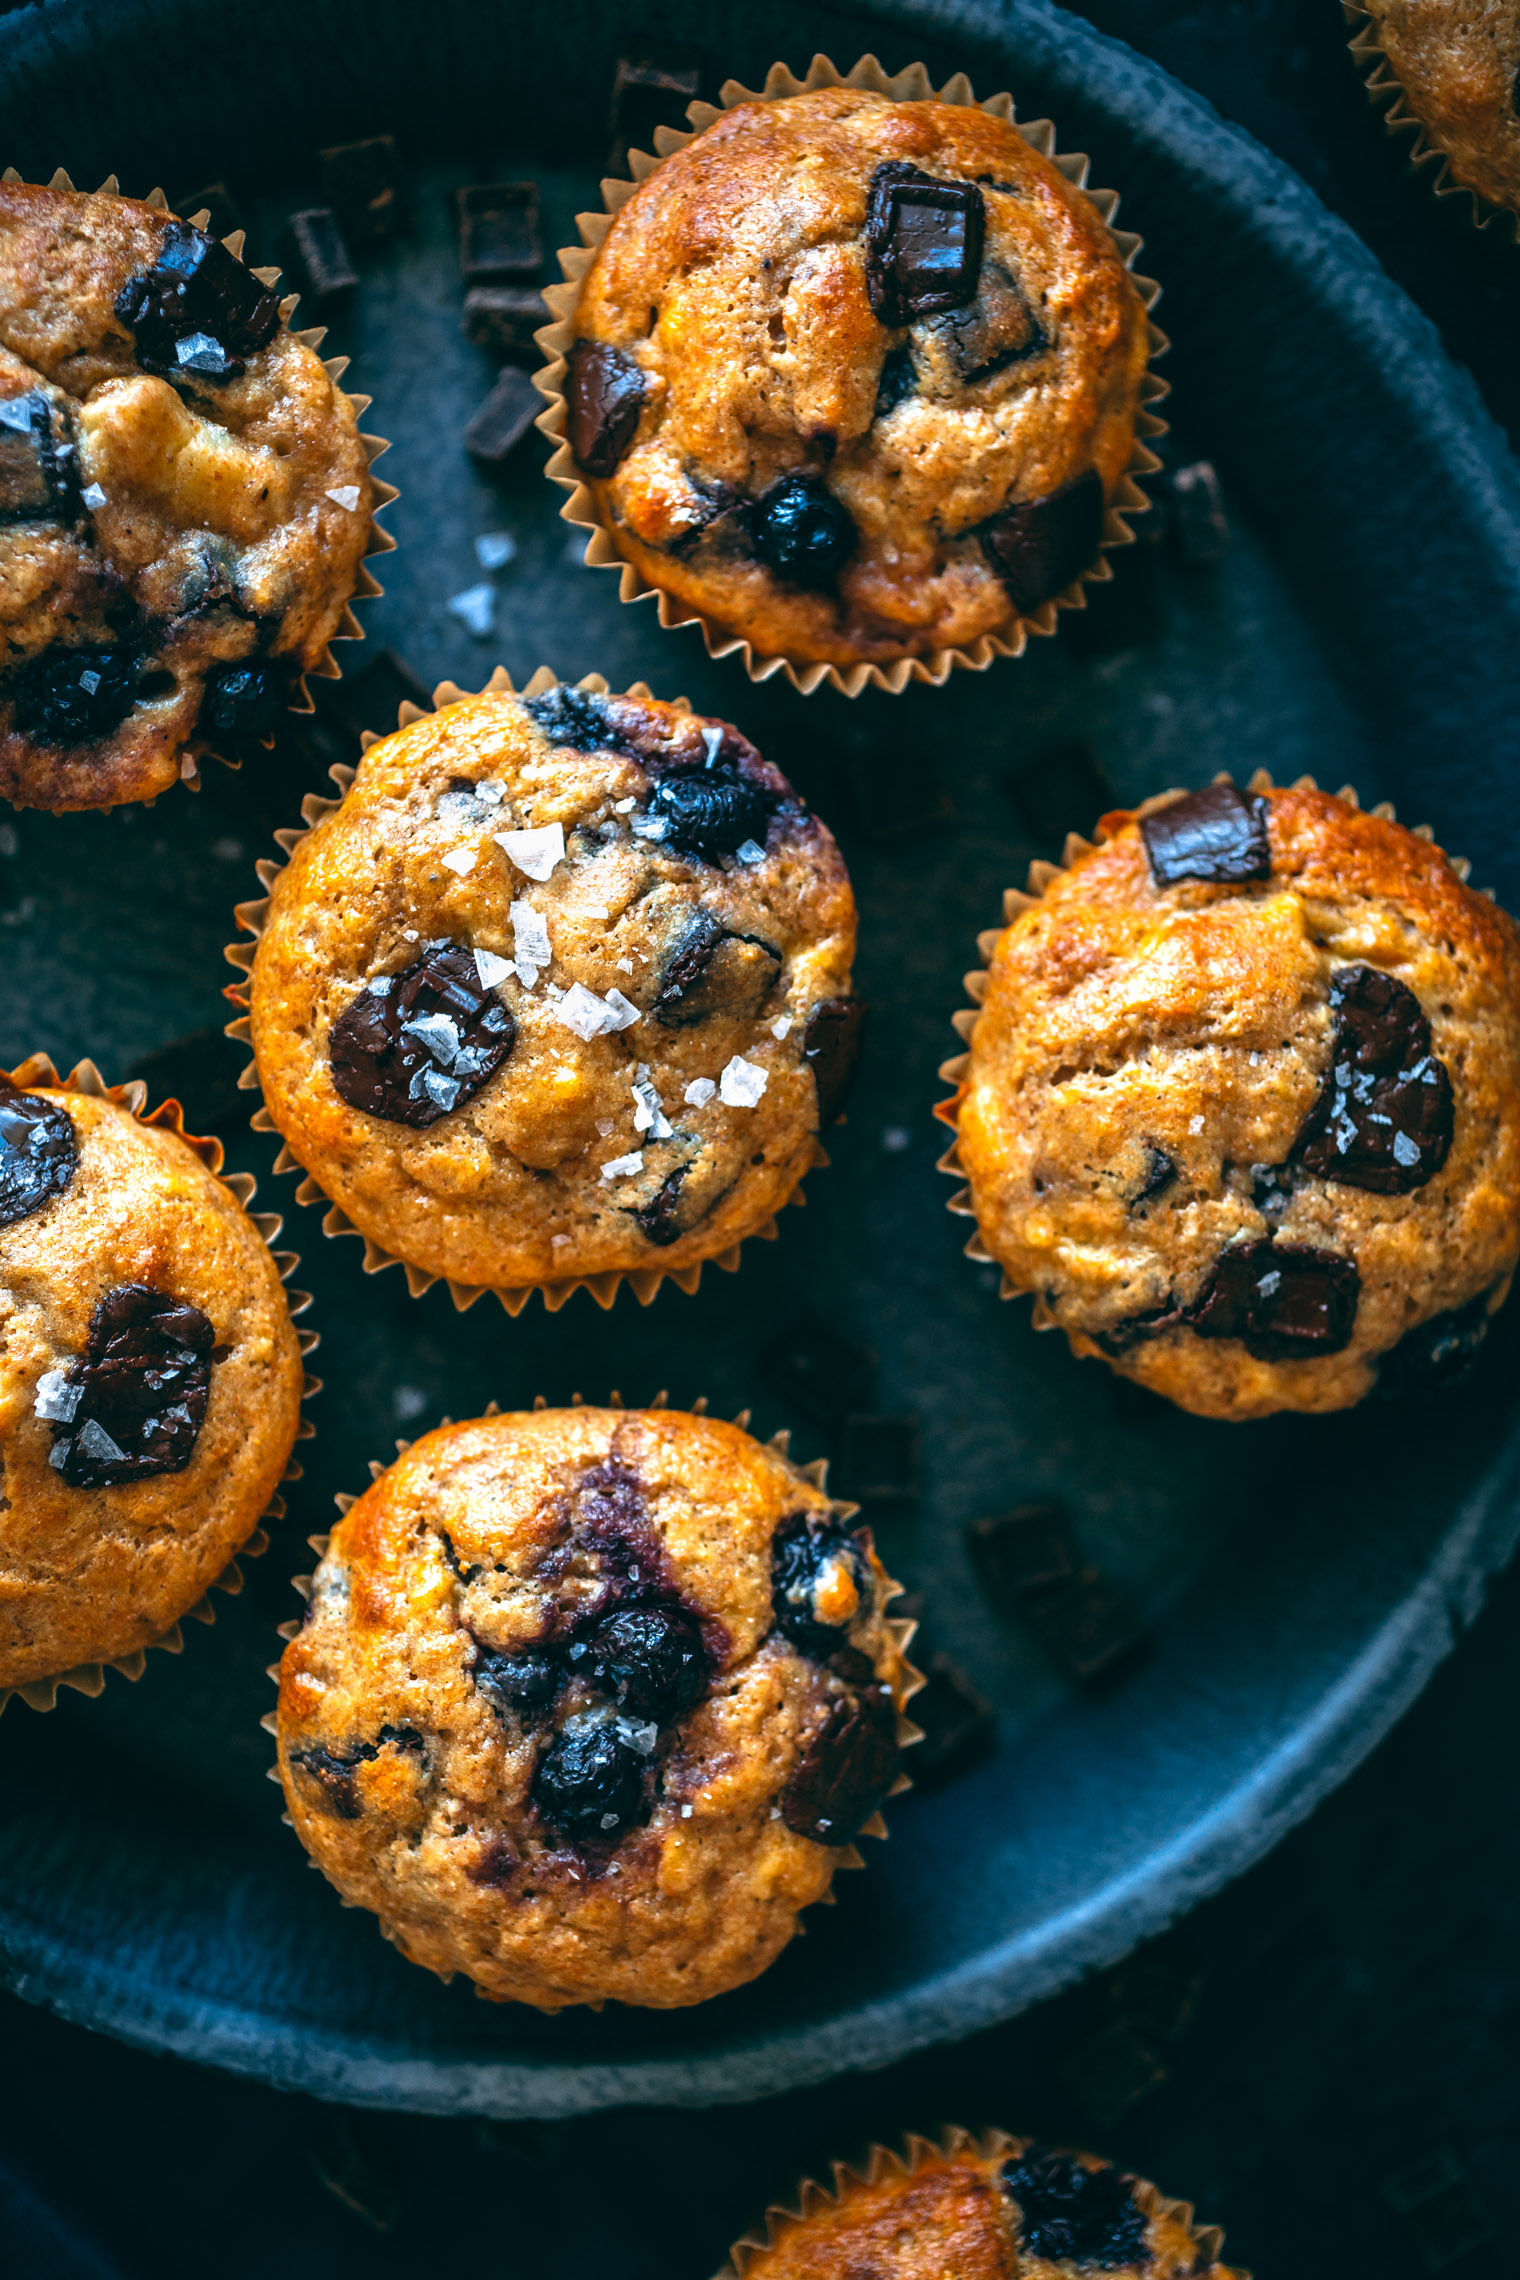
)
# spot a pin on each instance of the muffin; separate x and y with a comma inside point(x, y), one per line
point(855, 379)
point(588, 1703)
point(150, 1375)
point(185, 499)
point(1454, 62)
point(1242, 1104)
point(990, 2208)
point(561, 990)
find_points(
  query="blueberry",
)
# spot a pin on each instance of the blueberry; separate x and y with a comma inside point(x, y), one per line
point(802, 533)
point(1069, 2214)
point(519, 1683)
point(246, 699)
point(590, 1784)
point(38, 1153)
point(573, 717)
point(708, 812)
point(73, 696)
point(1438, 1354)
point(651, 1660)
point(805, 1554)
point(898, 381)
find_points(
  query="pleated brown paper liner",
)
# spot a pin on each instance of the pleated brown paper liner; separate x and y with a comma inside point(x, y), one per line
point(910, 86)
point(327, 668)
point(251, 916)
point(1385, 92)
point(811, 2198)
point(1016, 901)
point(902, 1628)
point(84, 1077)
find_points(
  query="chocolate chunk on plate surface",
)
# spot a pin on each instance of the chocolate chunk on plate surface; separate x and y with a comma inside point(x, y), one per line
point(817, 1369)
point(923, 243)
point(1086, 1625)
point(322, 252)
point(651, 87)
point(361, 182)
point(504, 319)
point(604, 392)
point(507, 415)
point(1025, 1550)
point(1218, 834)
point(956, 1721)
point(1038, 547)
point(500, 242)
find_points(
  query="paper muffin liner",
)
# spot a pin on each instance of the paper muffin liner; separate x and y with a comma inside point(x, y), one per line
point(367, 585)
point(1016, 901)
point(912, 85)
point(1385, 92)
point(902, 1628)
point(812, 2199)
point(644, 1282)
point(84, 1077)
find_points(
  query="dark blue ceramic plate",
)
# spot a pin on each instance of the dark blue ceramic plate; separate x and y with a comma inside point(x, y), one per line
point(1299, 1579)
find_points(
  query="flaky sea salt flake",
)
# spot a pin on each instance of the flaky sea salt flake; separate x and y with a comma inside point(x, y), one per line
point(92, 496)
point(750, 851)
point(491, 969)
point(624, 1167)
point(345, 495)
point(781, 1026)
point(741, 1083)
point(699, 1092)
point(494, 549)
point(535, 852)
point(56, 1397)
point(460, 859)
point(624, 1013)
point(475, 609)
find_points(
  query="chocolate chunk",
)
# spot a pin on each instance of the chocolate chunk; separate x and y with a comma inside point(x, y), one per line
point(878, 1460)
point(334, 1770)
point(217, 203)
point(494, 431)
point(809, 1558)
point(1199, 531)
point(846, 1769)
point(1085, 1625)
point(708, 812)
point(801, 532)
point(499, 238)
point(504, 319)
point(38, 482)
point(1383, 1120)
point(1039, 546)
point(1440, 2212)
point(1070, 2214)
point(496, 1863)
point(682, 1201)
point(1022, 1551)
point(39, 1153)
point(711, 972)
point(814, 1368)
point(1160, 1173)
point(518, 1684)
point(956, 1721)
point(575, 718)
point(1440, 1353)
point(831, 1048)
point(247, 699)
point(142, 1385)
point(1218, 834)
point(650, 89)
point(1272, 1188)
point(414, 1045)
point(651, 1660)
point(604, 393)
point(898, 381)
point(361, 183)
point(1288, 1301)
point(197, 310)
point(324, 259)
point(923, 243)
point(590, 1784)
point(997, 330)
point(72, 696)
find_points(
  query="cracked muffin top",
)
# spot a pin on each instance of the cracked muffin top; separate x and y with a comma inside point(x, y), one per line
point(150, 1380)
point(1456, 61)
point(588, 1703)
point(562, 989)
point(184, 499)
point(854, 378)
point(1242, 1105)
point(1001, 2209)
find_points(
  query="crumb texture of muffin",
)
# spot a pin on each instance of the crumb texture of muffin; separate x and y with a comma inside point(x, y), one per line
point(994, 2208)
point(1456, 62)
point(150, 1380)
point(561, 989)
point(1242, 1104)
point(853, 378)
point(184, 499)
point(589, 1703)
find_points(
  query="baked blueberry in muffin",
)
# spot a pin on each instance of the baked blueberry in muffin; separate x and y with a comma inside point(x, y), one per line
point(562, 989)
point(184, 499)
point(989, 2208)
point(590, 1703)
point(1242, 1104)
point(150, 1377)
point(854, 379)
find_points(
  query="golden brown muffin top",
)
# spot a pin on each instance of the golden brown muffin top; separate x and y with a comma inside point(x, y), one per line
point(1018, 2211)
point(181, 507)
point(588, 1703)
point(1311, 1072)
point(1456, 61)
point(650, 942)
point(150, 1380)
point(778, 336)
